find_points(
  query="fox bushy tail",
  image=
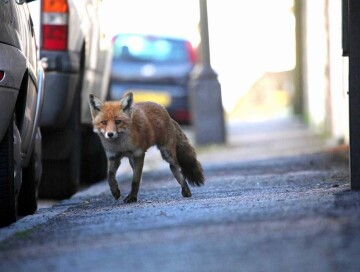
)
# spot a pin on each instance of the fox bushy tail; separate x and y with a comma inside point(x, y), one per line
point(186, 156)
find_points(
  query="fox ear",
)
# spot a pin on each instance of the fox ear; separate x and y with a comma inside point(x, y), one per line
point(126, 102)
point(95, 105)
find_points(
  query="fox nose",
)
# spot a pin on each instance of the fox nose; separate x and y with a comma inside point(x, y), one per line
point(110, 134)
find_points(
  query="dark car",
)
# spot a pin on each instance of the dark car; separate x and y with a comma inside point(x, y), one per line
point(154, 68)
point(21, 95)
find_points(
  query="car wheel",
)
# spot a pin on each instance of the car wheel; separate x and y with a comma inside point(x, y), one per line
point(8, 176)
point(61, 163)
point(27, 200)
point(93, 158)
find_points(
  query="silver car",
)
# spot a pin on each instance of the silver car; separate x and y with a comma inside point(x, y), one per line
point(21, 95)
point(77, 63)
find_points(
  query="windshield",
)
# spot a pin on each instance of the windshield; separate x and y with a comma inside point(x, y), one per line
point(139, 48)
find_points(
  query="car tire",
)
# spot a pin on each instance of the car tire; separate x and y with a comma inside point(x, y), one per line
point(61, 163)
point(27, 200)
point(93, 158)
point(7, 190)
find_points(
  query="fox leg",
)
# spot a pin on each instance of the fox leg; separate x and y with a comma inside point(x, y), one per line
point(113, 165)
point(137, 164)
point(170, 157)
point(176, 170)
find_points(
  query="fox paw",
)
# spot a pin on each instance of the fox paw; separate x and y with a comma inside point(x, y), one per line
point(116, 194)
point(186, 192)
point(130, 198)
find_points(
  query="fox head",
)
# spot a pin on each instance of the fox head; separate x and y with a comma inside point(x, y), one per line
point(111, 118)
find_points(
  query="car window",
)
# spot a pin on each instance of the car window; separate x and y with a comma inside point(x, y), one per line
point(138, 48)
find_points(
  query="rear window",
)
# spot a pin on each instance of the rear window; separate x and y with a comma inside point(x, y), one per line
point(139, 48)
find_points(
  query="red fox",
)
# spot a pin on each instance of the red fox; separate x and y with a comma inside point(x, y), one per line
point(128, 129)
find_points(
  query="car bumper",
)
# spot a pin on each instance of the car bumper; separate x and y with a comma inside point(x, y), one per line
point(59, 94)
point(62, 74)
point(173, 97)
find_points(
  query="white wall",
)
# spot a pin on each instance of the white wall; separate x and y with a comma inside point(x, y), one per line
point(325, 75)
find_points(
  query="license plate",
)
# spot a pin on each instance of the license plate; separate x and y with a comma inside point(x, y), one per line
point(161, 98)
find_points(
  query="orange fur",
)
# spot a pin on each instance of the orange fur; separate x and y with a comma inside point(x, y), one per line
point(128, 130)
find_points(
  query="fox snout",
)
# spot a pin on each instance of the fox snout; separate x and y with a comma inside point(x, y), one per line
point(111, 134)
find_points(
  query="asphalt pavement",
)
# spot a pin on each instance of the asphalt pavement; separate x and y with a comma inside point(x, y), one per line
point(276, 198)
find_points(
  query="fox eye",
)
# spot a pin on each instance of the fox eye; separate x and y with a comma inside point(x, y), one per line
point(117, 122)
point(103, 123)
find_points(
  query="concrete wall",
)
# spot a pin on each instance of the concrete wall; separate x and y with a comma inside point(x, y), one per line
point(324, 77)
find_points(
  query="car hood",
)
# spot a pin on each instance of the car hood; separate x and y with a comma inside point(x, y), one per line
point(150, 72)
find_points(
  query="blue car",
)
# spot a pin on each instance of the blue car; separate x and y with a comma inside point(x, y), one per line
point(154, 68)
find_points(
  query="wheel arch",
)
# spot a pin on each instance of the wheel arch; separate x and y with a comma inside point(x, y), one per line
point(20, 104)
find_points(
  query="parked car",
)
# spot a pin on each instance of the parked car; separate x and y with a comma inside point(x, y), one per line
point(154, 68)
point(21, 96)
point(76, 65)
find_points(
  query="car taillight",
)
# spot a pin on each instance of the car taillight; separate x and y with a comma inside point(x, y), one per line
point(191, 52)
point(54, 24)
point(181, 116)
point(2, 75)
